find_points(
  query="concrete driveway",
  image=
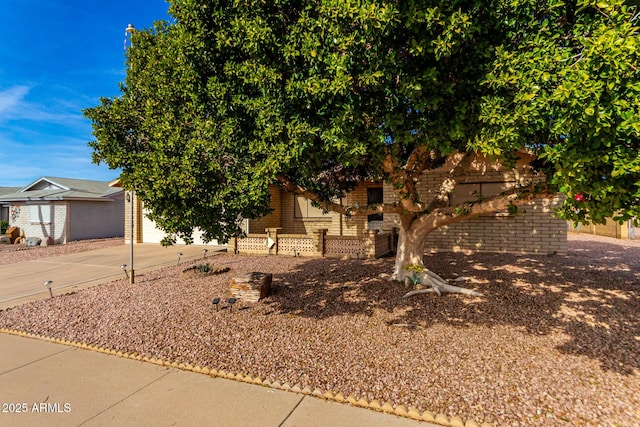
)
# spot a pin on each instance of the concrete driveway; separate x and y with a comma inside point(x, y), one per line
point(23, 282)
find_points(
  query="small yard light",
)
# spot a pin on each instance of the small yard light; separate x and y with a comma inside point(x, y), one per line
point(48, 285)
point(179, 255)
point(124, 270)
point(215, 302)
point(204, 253)
point(231, 302)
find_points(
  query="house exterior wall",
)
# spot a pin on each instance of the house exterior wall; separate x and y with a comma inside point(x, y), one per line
point(95, 220)
point(55, 227)
point(532, 230)
point(289, 218)
point(272, 220)
point(611, 228)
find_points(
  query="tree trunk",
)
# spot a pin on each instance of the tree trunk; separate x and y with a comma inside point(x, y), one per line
point(410, 251)
point(409, 266)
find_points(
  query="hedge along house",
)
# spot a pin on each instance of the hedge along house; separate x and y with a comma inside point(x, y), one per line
point(295, 227)
point(61, 210)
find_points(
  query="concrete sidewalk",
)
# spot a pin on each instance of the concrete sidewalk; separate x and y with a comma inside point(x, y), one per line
point(23, 282)
point(48, 384)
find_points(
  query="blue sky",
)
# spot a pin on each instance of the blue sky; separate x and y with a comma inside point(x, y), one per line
point(58, 57)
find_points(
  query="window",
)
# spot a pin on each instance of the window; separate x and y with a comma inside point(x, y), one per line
point(40, 214)
point(472, 192)
point(302, 208)
point(374, 195)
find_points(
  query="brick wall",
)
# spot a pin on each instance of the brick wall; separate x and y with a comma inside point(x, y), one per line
point(532, 230)
point(56, 227)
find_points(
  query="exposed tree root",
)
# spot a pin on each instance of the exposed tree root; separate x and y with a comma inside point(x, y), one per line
point(438, 285)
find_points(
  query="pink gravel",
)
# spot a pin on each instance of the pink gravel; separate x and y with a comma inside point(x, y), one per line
point(555, 341)
point(10, 254)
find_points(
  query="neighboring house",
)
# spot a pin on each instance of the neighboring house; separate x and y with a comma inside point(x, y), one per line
point(61, 210)
point(4, 206)
point(611, 228)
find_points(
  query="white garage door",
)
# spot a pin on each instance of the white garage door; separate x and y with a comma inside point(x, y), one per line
point(152, 234)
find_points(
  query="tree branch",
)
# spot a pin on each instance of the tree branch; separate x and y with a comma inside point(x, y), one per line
point(515, 196)
point(292, 187)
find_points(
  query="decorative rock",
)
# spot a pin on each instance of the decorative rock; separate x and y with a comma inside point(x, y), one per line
point(362, 402)
point(470, 423)
point(339, 397)
point(221, 374)
point(239, 377)
point(328, 395)
point(429, 416)
point(317, 392)
point(276, 384)
point(296, 388)
point(456, 422)
point(352, 399)
point(442, 419)
point(307, 390)
point(205, 371)
point(252, 286)
point(231, 375)
point(197, 369)
point(266, 383)
point(257, 381)
point(374, 404)
point(486, 425)
point(414, 414)
point(33, 241)
point(247, 379)
point(401, 411)
point(387, 408)
point(286, 386)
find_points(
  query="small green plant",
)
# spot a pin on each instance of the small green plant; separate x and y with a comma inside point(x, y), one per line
point(204, 268)
point(4, 225)
point(207, 268)
point(415, 273)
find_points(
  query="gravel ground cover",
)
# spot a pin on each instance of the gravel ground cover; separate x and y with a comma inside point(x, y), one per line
point(555, 341)
point(10, 254)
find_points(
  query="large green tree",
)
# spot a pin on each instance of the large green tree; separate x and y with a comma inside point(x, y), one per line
point(315, 95)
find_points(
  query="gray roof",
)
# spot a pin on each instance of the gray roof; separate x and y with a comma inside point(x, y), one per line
point(9, 190)
point(53, 188)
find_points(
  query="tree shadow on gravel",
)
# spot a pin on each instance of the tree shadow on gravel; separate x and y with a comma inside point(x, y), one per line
point(590, 295)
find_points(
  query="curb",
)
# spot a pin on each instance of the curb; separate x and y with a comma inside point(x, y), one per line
point(338, 397)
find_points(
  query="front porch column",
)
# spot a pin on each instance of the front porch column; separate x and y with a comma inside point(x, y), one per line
point(272, 233)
